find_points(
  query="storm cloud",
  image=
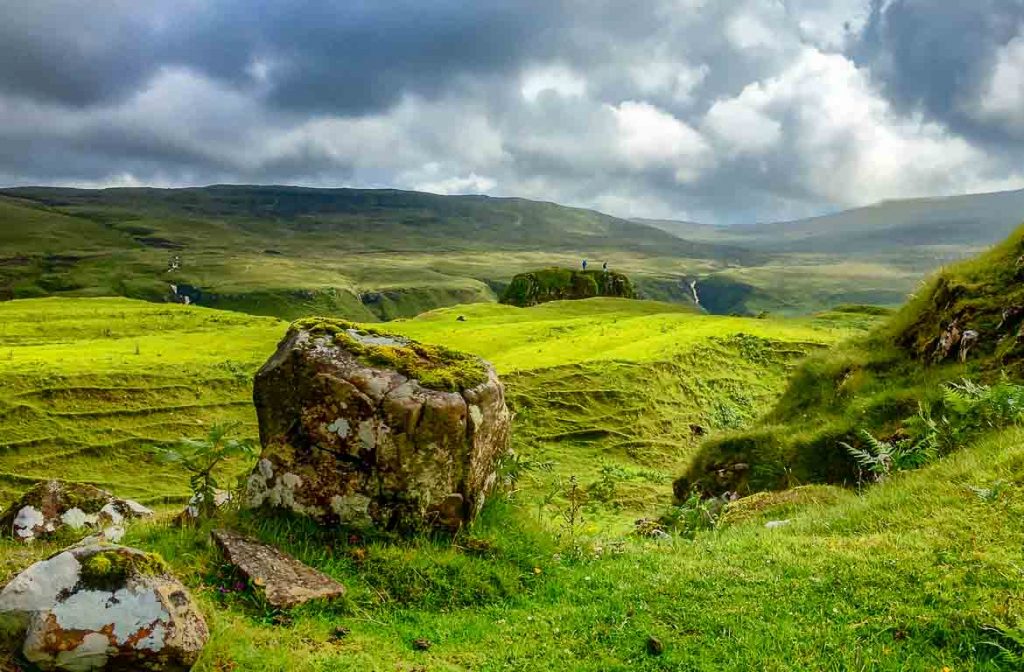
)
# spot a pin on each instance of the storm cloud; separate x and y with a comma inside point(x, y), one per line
point(713, 110)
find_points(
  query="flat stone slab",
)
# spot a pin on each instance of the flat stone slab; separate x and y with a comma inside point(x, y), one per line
point(286, 582)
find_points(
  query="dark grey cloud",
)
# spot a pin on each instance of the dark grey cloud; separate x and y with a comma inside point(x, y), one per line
point(932, 56)
point(723, 110)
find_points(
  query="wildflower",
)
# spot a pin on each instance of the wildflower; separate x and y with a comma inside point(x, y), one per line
point(536, 570)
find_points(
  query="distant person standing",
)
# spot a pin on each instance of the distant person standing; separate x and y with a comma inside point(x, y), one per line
point(604, 267)
point(584, 264)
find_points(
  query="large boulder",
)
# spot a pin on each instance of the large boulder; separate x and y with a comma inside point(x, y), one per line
point(101, 607)
point(52, 506)
point(360, 427)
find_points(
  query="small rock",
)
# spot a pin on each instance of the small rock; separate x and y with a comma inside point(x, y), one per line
point(286, 581)
point(969, 338)
point(654, 646)
point(421, 644)
point(52, 506)
point(101, 606)
point(460, 318)
point(772, 524)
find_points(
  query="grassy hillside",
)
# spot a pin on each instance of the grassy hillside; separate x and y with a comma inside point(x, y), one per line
point(888, 382)
point(919, 573)
point(288, 251)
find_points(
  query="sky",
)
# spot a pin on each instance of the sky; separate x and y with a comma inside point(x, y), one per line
point(719, 111)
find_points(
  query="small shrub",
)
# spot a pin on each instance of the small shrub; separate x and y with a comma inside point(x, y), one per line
point(200, 457)
point(693, 515)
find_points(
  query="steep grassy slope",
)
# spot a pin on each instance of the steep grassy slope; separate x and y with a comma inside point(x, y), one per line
point(288, 252)
point(881, 381)
point(920, 573)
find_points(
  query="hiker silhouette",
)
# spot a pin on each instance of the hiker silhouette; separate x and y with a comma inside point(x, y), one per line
point(584, 264)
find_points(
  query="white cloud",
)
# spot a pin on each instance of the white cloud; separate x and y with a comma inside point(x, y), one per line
point(847, 144)
point(677, 80)
point(741, 126)
point(748, 30)
point(830, 24)
point(650, 137)
point(469, 184)
point(556, 79)
point(1002, 97)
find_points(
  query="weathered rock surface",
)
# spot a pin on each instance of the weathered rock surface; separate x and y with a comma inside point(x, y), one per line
point(53, 505)
point(101, 607)
point(286, 582)
point(363, 428)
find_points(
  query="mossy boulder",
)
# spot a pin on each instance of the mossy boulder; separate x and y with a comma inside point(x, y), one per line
point(360, 427)
point(101, 607)
point(560, 284)
point(52, 507)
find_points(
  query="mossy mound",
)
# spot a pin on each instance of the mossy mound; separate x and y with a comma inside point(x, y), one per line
point(434, 366)
point(966, 322)
point(560, 284)
point(764, 506)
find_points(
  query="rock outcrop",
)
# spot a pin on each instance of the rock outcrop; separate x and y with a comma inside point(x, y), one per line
point(285, 581)
point(364, 428)
point(52, 506)
point(101, 607)
point(559, 284)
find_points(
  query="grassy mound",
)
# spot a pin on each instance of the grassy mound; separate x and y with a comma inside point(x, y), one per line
point(561, 284)
point(964, 323)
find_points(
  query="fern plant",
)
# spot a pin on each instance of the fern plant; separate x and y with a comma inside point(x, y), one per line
point(882, 458)
point(200, 457)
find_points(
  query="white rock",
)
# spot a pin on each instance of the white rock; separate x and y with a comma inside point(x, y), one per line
point(772, 524)
point(27, 520)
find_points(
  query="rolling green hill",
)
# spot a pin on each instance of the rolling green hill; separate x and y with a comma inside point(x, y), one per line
point(288, 251)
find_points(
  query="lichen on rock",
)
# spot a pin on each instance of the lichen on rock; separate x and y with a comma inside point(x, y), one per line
point(101, 607)
point(362, 427)
point(52, 506)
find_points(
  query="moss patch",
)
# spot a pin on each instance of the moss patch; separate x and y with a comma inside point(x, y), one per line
point(434, 366)
point(109, 569)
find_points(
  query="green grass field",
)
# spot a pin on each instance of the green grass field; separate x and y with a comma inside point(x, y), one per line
point(916, 574)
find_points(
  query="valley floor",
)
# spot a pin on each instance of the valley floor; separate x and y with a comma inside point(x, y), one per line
point(918, 573)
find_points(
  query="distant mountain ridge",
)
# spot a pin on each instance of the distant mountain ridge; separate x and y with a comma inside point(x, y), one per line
point(969, 222)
